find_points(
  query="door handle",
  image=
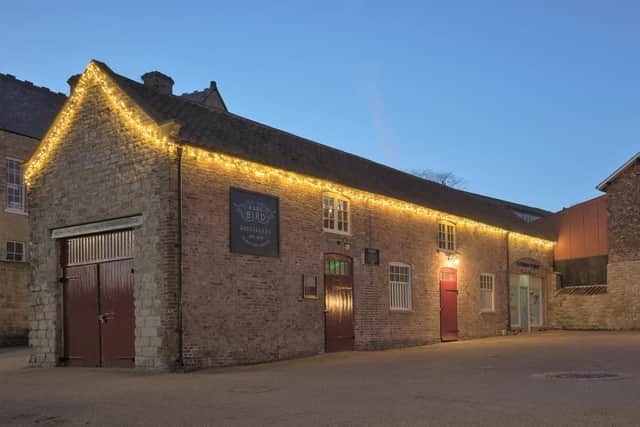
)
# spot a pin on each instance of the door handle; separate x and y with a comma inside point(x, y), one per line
point(103, 317)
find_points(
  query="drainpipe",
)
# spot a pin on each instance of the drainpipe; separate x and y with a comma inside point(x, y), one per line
point(180, 361)
point(508, 270)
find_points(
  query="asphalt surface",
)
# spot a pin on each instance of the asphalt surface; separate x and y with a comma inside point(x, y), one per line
point(500, 381)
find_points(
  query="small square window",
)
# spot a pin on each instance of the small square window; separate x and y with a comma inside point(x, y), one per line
point(15, 251)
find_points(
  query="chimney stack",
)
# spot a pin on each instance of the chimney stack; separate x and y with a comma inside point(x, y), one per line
point(158, 82)
point(73, 81)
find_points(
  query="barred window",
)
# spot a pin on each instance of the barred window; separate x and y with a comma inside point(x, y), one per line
point(400, 286)
point(447, 236)
point(487, 292)
point(335, 214)
point(15, 251)
point(309, 286)
point(15, 186)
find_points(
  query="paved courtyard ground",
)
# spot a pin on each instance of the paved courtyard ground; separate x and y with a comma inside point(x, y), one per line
point(494, 381)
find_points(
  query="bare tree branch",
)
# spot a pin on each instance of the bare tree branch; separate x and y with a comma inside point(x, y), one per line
point(445, 178)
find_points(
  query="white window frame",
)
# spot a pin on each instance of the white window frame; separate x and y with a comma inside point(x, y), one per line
point(486, 278)
point(446, 236)
point(14, 252)
point(396, 289)
point(20, 187)
point(335, 213)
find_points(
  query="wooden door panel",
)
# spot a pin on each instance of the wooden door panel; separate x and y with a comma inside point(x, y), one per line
point(338, 304)
point(449, 306)
point(117, 314)
point(81, 326)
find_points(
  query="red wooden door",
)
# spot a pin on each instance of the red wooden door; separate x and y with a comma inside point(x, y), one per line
point(338, 297)
point(448, 305)
point(81, 326)
point(99, 317)
point(117, 317)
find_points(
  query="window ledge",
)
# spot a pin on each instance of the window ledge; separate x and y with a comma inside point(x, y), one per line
point(400, 310)
point(448, 251)
point(342, 233)
point(16, 211)
point(487, 312)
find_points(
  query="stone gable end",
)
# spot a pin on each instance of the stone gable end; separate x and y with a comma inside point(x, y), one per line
point(101, 170)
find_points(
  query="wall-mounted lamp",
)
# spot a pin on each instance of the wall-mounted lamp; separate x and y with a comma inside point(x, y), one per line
point(453, 260)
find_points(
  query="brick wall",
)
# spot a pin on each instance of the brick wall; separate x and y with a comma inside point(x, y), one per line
point(624, 216)
point(14, 276)
point(14, 303)
point(623, 271)
point(619, 308)
point(245, 309)
point(101, 171)
point(576, 311)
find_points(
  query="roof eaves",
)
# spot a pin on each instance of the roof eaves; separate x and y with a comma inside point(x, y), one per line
point(604, 184)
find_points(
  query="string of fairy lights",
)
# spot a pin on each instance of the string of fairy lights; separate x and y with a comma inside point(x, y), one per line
point(141, 125)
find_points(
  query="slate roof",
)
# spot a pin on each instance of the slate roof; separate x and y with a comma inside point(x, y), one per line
point(25, 108)
point(227, 133)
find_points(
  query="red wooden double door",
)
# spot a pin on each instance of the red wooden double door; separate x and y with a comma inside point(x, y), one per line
point(99, 316)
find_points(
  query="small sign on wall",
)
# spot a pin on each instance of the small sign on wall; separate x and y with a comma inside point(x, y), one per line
point(309, 286)
point(254, 223)
point(371, 256)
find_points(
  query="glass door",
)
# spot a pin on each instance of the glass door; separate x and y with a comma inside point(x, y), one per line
point(525, 301)
point(524, 308)
point(514, 300)
point(535, 301)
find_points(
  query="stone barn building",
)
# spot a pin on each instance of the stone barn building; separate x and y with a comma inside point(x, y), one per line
point(168, 232)
point(26, 111)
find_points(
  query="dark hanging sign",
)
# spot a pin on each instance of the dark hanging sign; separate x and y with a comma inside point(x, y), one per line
point(528, 263)
point(254, 222)
point(371, 256)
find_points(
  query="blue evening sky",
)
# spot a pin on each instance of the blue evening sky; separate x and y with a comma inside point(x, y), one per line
point(534, 102)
